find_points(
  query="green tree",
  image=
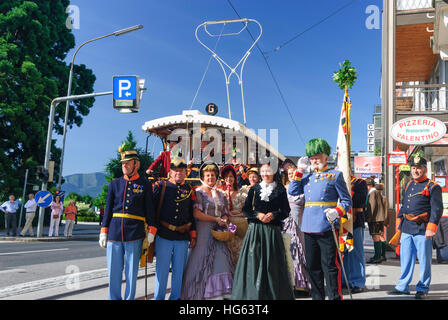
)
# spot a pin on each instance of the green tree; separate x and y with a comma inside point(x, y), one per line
point(377, 151)
point(87, 199)
point(113, 167)
point(34, 42)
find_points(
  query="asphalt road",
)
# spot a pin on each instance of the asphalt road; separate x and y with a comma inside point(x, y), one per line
point(24, 262)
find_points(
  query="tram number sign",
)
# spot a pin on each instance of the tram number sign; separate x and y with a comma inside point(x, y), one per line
point(211, 109)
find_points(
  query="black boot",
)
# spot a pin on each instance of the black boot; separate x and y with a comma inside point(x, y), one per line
point(377, 256)
point(383, 251)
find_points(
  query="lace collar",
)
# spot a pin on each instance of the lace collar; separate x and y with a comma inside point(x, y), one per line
point(266, 190)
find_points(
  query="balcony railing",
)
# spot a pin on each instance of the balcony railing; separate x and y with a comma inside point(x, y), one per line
point(404, 5)
point(422, 97)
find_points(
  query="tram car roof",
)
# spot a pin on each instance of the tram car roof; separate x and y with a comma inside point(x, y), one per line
point(163, 127)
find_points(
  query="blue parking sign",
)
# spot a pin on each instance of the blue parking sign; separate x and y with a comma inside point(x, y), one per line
point(125, 87)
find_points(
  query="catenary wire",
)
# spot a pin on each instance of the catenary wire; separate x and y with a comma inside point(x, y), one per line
point(273, 78)
point(311, 27)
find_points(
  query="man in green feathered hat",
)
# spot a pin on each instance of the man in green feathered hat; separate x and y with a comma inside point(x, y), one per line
point(129, 211)
point(323, 188)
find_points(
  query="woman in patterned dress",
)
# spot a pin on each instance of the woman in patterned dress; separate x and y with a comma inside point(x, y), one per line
point(209, 270)
point(291, 226)
point(236, 198)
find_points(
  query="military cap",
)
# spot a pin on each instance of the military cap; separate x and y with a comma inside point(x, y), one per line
point(417, 160)
point(127, 154)
point(316, 146)
point(178, 163)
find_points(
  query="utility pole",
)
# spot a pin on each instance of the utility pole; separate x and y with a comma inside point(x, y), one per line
point(388, 96)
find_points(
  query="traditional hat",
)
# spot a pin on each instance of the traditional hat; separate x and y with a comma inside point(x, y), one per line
point(228, 168)
point(126, 153)
point(288, 162)
point(253, 170)
point(316, 146)
point(417, 160)
point(207, 163)
point(178, 163)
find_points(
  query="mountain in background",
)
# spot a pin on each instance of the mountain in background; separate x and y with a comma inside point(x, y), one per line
point(85, 183)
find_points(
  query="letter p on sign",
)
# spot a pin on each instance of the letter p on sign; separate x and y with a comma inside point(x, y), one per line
point(124, 85)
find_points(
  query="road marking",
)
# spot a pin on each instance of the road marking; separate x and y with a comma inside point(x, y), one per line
point(35, 251)
point(61, 281)
point(12, 270)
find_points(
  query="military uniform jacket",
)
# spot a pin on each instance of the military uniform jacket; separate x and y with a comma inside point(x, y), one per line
point(177, 209)
point(133, 198)
point(278, 204)
point(322, 190)
point(359, 198)
point(418, 198)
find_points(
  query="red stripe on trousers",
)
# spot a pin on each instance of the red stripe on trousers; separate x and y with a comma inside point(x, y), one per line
point(339, 271)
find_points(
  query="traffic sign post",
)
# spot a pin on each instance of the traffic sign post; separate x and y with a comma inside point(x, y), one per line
point(397, 158)
point(138, 86)
point(127, 93)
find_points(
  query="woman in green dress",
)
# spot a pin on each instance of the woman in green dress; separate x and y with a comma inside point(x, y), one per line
point(261, 272)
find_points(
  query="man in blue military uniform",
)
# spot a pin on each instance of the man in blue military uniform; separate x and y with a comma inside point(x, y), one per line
point(354, 260)
point(176, 229)
point(322, 188)
point(129, 205)
point(418, 219)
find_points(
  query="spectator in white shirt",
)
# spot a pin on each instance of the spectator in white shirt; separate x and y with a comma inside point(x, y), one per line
point(10, 208)
point(30, 207)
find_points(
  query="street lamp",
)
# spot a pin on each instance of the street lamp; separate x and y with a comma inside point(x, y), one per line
point(67, 104)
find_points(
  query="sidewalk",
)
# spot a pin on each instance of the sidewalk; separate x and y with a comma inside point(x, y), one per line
point(379, 278)
point(81, 231)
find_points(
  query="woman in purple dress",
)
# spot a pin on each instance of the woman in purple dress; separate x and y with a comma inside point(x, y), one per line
point(291, 226)
point(209, 270)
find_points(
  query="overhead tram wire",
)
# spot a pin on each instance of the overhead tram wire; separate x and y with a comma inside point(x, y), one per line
point(273, 77)
point(311, 27)
point(206, 69)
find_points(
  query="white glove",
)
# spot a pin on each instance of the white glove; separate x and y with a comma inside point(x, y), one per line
point(150, 238)
point(332, 214)
point(303, 163)
point(103, 240)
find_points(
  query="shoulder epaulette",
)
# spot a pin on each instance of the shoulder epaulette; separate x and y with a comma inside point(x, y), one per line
point(434, 183)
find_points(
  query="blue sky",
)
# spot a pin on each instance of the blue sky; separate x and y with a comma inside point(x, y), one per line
point(166, 54)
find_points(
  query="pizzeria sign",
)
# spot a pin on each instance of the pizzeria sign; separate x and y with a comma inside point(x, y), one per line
point(418, 130)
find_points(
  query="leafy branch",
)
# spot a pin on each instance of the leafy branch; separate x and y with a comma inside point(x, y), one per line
point(346, 76)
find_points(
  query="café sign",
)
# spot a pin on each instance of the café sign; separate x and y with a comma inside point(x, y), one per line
point(418, 130)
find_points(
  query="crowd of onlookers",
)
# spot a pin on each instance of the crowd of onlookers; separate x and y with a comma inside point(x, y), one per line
point(10, 209)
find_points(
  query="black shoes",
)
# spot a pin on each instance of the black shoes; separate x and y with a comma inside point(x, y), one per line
point(375, 260)
point(357, 290)
point(397, 292)
point(420, 295)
